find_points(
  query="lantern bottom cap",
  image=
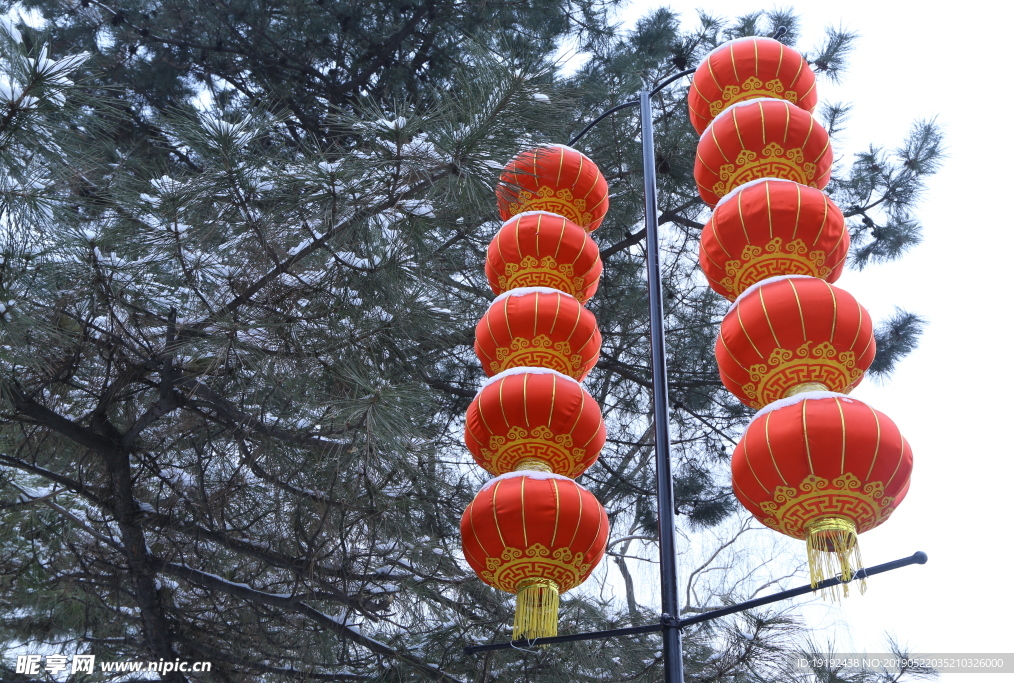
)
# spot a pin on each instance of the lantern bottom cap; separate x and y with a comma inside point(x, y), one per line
point(805, 387)
point(533, 465)
point(536, 609)
point(833, 551)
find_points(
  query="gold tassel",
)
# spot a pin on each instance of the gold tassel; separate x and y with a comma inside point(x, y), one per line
point(832, 550)
point(536, 609)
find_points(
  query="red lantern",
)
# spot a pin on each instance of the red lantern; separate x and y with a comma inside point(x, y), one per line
point(822, 467)
point(772, 227)
point(746, 68)
point(541, 328)
point(534, 418)
point(542, 249)
point(557, 179)
point(534, 534)
point(761, 138)
point(790, 334)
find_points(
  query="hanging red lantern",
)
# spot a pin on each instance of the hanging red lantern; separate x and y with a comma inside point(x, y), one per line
point(822, 467)
point(538, 327)
point(537, 419)
point(555, 178)
point(746, 68)
point(761, 138)
point(537, 535)
point(772, 227)
point(543, 249)
point(790, 334)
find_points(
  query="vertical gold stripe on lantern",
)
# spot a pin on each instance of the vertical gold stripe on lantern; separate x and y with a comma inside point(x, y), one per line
point(799, 70)
point(739, 135)
point(878, 446)
point(501, 403)
point(771, 454)
point(842, 423)
point(558, 514)
point(799, 308)
point(494, 511)
point(522, 507)
point(835, 317)
point(579, 517)
point(807, 441)
point(796, 221)
point(767, 318)
point(764, 133)
point(899, 464)
point(551, 410)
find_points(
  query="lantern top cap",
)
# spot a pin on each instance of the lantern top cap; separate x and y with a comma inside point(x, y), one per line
point(524, 214)
point(768, 281)
point(526, 291)
point(553, 145)
point(524, 370)
point(529, 474)
point(798, 398)
point(803, 396)
point(747, 185)
point(729, 43)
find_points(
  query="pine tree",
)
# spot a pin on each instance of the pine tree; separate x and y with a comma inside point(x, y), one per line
point(242, 248)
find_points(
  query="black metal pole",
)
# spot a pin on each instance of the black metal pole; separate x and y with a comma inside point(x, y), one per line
point(672, 635)
point(917, 558)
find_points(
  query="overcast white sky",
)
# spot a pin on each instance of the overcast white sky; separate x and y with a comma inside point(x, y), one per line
point(957, 398)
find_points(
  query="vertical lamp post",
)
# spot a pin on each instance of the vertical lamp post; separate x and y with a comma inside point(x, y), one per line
point(673, 643)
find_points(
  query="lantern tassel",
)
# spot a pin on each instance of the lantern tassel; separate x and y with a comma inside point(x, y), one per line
point(536, 609)
point(832, 550)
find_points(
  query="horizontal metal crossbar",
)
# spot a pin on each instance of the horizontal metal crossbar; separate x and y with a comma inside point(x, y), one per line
point(917, 558)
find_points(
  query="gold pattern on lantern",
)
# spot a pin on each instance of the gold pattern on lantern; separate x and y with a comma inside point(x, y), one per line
point(773, 162)
point(537, 352)
point(751, 88)
point(504, 453)
point(757, 263)
point(561, 203)
point(794, 508)
point(514, 566)
point(531, 272)
point(785, 368)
